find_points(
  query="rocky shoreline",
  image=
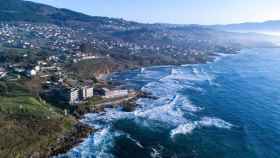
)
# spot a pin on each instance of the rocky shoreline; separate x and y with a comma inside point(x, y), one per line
point(82, 131)
point(72, 139)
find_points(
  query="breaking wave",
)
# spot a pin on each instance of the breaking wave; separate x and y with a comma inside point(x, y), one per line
point(204, 122)
point(96, 146)
point(186, 128)
point(214, 122)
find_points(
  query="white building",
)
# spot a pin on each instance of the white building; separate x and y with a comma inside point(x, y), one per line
point(3, 72)
point(86, 92)
point(72, 95)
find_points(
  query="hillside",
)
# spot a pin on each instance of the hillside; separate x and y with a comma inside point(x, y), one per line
point(17, 10)
point(130, 35)
point(28, 126)
point(26, 11)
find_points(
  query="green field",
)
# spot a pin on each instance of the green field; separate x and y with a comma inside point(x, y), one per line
point(28, 125)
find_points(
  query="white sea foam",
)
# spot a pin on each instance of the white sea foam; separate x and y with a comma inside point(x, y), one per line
point(178, 79)
point(195, 71)
point(170, 110)
point(176, 74)
point(214, 122)
point(155, 153)
point(142, 70)
point(135, 141)
point(185, 104)
point(97, 145)
point(171, 106)
point(167, 113)
point(149, 74)
point(221, 56)
point(193, 74)
point(188, 127)
point(162, 88)
point(195, 88)
point(204, 76)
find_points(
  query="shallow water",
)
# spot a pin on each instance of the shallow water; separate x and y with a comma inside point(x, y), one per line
point(226, 109)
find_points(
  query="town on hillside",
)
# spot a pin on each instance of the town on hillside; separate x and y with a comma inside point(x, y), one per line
point(44, 57)
point(56, 84)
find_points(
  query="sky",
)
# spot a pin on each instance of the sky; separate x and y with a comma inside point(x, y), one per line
point(177, 11)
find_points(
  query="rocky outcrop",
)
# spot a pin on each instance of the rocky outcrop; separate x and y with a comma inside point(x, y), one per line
point(70, 140)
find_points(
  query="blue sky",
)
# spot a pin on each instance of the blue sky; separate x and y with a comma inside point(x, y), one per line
point(177, 11)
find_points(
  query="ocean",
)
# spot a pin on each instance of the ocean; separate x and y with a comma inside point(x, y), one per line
point(229, 108)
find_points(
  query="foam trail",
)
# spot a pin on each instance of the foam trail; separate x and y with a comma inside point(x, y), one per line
point(183, 129)
point(143, 70)
point(185, 104)
point(190, 75)
point(188, 127)
point(220, 56)
point(135, 141)
point(214, 122)
point(155, 153)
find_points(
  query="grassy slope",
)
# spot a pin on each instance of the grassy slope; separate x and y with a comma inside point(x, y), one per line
point(28, 126)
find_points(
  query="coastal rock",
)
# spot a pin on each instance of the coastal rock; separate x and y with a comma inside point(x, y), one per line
point(74, 138)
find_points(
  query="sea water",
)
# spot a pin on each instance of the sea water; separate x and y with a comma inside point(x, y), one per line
point(226, 109)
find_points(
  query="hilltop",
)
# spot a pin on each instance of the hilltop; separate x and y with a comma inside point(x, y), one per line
point(18, 10)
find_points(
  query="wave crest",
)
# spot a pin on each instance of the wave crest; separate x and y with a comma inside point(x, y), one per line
point(188, 128)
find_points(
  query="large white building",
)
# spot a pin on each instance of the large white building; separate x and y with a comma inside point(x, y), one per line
point(86, 92)
point(72, 95)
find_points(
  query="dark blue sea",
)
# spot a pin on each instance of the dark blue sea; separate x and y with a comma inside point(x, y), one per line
point(229, 108)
